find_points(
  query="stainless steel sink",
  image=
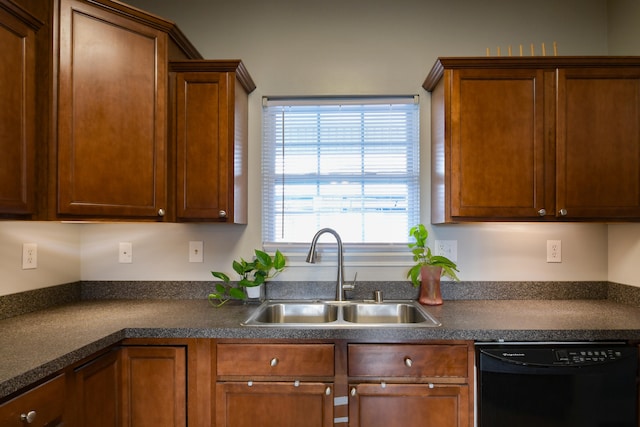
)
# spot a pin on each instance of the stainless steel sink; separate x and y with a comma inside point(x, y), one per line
point(341, 314)
point(397, 312)
point(292, 312)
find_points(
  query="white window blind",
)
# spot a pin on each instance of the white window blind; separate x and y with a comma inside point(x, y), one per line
point(349, 164)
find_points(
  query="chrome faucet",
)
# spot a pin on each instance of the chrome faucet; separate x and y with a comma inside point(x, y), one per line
point(311, 258)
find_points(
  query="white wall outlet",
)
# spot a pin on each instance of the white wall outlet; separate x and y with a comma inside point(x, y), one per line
point(554, 250)
point(196, 251)
point(447, 248)
point(125, 253)
point(29, 256)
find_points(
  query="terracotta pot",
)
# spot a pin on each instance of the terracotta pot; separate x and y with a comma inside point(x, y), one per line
point(430, 285)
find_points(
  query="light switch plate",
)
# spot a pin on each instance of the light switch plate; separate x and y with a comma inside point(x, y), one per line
point(196, 251)
point(125, 253)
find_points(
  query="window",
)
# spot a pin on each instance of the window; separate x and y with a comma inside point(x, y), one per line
point(348, 164)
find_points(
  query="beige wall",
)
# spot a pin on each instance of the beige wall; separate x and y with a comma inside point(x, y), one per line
point(58, 255)
point(624, 239)
point(294, 47)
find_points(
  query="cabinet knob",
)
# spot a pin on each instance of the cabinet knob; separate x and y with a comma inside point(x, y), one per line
point(29, 417)
point(161, 212)
point(223, 214)
point(563, 212)
point(353, 391)
point(273, 362)
point(408, 362)
point(542, 212)
point(327, 391)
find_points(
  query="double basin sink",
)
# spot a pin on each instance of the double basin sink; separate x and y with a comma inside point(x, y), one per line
point(332, 314)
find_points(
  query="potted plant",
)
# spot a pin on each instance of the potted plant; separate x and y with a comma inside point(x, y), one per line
point(429, 268)
point(252, 275)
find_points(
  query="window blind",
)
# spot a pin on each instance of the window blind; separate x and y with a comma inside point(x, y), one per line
point(349, 164)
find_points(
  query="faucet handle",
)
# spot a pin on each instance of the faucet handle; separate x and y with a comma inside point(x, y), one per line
point(352, 286)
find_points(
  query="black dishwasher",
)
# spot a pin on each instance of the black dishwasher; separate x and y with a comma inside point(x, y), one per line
point(557, 384)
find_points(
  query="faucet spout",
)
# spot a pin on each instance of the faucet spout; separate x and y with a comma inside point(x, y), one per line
point(311, 258)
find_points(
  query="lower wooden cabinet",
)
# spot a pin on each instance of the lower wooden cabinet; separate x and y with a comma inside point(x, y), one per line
point(410, 385)
point(42, 406)
point(135, 386)
point(97, 387)
point(274, 404)
point(274, 385)
point(248, 383)
point(409, 405)
point(154, 387)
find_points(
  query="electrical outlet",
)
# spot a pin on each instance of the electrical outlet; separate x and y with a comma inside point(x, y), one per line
point(125, 253)
point(29, 256)
point(196, 251)
point(554, 250)
point(447, 248)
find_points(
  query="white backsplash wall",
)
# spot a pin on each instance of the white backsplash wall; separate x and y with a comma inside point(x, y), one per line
point(58, 255)
point(492, 252)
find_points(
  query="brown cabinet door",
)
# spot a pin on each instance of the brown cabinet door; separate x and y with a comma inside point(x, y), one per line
point(45, 404)
point(97, 388)
point(17, 110)
point(274, 404)
point(204, 150)
point(598, 143)
point(496, 143)
point(154, 389)
point(409, 405)
point(112, 115)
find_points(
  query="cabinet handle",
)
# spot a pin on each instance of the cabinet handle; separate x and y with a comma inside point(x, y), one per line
point(542, 212)
point(296, 383)
point(29, 417)
point(408, 362)
point(353, 391)
point(327, 391)
point(161, 212)
point(273, 362)
point(223, 214)
point(563, 212)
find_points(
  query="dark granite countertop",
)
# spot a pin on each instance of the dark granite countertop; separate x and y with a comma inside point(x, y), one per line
point(38, 344)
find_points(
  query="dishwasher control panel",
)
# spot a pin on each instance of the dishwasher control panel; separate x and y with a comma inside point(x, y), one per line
point(558, 354)
point(587, 355)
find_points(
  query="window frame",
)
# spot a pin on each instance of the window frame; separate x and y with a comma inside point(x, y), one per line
point(393, 253)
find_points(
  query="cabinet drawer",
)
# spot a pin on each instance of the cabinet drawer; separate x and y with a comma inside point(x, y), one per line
point(407, 360)
point(46, 401)
point(291, 360)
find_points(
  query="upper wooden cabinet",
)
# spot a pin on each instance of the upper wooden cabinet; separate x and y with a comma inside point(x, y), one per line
point(112, 92)
point(209, 117)
point(17, 110)
point(535, 138)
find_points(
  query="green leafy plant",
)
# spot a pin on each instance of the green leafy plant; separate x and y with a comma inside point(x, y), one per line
point(252, 273)
point(422, 255)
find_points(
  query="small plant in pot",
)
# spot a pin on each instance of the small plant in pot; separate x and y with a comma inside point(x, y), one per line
point(429, 268)
point(252, 274)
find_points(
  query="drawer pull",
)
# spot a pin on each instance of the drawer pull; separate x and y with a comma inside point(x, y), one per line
point(296, 383)
point(353, 391)
point(327, 391)
point(250, 383)
point(29, 417)
point(431, 385)
point(273, 362)
point(383, 384)
point(408, 362)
